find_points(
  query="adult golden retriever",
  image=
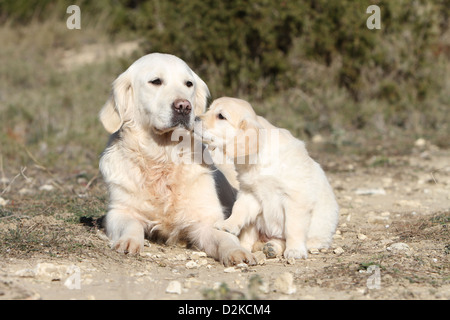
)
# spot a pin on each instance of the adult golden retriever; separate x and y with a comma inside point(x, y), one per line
point(152, 192)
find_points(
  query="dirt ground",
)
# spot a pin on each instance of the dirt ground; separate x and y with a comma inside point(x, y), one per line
point(392, 241)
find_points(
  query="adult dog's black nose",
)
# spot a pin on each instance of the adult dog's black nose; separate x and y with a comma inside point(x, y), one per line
point(182, 106)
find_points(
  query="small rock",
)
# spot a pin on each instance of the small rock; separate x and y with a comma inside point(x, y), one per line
point(46, 187)
point(230, 270)
point(420, 142)
point(25, 191)
point(408, 203)
point(291, 261)
point(174, 287)
point(399, 247)
point(362, 236)
point(197, 255)
point(338, 251)
point(242, 265)
point(3, 202)
point(317, 138)
point(314, 251)
point(202, 262)
point(285, 283)
point(181, 257)
point(374, 191)
point(260, 257)
point(191, 265)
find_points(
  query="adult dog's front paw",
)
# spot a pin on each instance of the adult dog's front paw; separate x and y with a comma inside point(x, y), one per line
point(237, 256)
point(227, 226)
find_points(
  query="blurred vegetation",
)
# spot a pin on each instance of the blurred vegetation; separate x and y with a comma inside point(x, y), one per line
point(311, 66)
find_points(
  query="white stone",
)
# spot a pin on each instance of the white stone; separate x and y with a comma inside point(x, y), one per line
point(230, 270)
point(399, 247)
point(46, 187)
point(284, 283)
point(191, 265)
point(362, 236)
point(174, 287)
point(3, 202)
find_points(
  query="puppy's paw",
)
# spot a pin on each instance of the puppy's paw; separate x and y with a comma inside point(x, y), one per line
point(238, 255)
point(227, 226)
point(272, 250)
point(296, 253)
point(130, 245)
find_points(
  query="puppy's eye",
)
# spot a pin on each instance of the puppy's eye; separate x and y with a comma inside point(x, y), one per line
point(156, 82)
point(221, 117)
point(189, 84)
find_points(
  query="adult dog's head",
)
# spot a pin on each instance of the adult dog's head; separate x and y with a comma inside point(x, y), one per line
point(158, 92)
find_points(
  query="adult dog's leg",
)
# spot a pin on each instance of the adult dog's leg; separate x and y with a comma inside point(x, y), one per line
point(125, 231)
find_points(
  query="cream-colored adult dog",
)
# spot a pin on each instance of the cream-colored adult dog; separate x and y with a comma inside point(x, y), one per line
point(153, 104)
point(284, 195)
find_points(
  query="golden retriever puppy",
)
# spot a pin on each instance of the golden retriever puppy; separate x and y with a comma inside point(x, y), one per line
point(284, 195)
point(154, 187)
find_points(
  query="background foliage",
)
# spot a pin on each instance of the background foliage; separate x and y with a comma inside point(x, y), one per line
point(310, 66)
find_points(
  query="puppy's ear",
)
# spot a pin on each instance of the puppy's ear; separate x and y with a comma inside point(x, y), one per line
point(248, 139)
point(118, 107)
point(202, 95)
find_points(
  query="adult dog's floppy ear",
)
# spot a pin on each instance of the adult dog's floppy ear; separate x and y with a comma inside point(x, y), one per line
point(201, 95)
point(118, 107)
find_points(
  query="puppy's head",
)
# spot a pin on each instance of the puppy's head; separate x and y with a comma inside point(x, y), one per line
point(231, 125)
point(158, 92)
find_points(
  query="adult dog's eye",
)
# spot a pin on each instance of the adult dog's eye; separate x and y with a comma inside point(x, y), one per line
point(189, 84)
point(156, 82)
point(221, 117)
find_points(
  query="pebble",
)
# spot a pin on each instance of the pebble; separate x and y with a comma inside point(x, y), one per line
point(230, 270)
point(374, 191)
point(181, 257)
point(191, 265)
point(291, 261)
point(362, 236)
point(174, 287)
point(399, 247)
point(197, 255)
point(314, 251)
point(420, 142)
point(46, 187)
point(284, 283)
point(3, 202)
point(338, 251)
point(260, 257)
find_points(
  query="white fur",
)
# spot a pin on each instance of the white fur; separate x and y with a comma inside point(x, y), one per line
point(284, 194)
point(150, 193)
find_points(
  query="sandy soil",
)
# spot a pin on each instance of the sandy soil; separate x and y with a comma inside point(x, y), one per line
point(392, 242)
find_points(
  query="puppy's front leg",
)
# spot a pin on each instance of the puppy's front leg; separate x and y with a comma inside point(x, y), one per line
point(245, 210)
point(125, 231)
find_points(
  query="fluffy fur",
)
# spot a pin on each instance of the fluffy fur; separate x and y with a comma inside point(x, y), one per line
point(153, 104)
point(285, 200)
